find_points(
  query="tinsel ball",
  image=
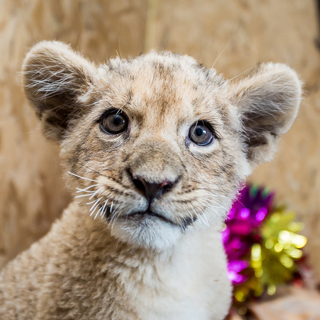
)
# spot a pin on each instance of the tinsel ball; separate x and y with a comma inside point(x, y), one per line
point(262, 245)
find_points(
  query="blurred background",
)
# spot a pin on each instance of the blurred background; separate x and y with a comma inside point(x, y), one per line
point(234, 34)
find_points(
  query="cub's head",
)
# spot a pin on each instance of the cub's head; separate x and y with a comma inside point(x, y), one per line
point(157, 146)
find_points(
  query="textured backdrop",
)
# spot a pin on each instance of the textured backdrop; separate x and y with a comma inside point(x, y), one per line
point(232, 35)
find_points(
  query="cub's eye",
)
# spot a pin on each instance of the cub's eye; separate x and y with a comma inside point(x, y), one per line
point(114, 122)
point(201, 133)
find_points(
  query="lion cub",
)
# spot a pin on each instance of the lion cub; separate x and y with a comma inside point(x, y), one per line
point(154, 150)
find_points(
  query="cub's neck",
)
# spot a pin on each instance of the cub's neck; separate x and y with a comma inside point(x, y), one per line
point(85, 234)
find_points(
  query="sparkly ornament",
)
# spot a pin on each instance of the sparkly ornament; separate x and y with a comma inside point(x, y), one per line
point(262, 245)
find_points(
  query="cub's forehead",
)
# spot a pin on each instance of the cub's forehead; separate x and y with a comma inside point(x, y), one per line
point(162, 82)
point(165, 66)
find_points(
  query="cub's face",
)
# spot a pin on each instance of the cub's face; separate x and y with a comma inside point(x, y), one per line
point(157, 146)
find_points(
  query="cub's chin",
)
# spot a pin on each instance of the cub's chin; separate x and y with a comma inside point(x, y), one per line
point(146, 230)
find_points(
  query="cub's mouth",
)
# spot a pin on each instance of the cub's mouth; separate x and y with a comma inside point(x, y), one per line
point(142, 215)
point(138, 216)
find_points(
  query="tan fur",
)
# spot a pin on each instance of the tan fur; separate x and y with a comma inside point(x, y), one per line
point(98, 262)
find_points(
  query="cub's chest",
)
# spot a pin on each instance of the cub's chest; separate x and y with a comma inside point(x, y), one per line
point(190, 285)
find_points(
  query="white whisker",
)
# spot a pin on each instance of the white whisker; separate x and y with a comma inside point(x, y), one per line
point(95, 193)
point(81, 177)
point(83, 195)
point(86, 189)
point(111, 207)
point(201, 218)
point(97, 211)
point(95, 207)
point(103, 208)
point(96, 203)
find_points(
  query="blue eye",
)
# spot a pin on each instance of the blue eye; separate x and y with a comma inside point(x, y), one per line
point(201, 133)
point(114, 122)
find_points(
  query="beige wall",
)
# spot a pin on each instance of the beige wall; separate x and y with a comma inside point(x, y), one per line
point(32, 194)
point(236, 33)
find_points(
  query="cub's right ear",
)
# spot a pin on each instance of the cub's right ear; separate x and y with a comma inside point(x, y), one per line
point(54, 79)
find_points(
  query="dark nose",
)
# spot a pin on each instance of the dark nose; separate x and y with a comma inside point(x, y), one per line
point(152, 190)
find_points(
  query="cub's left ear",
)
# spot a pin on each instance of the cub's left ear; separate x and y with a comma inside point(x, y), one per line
point(55, 77)
point(268, 102)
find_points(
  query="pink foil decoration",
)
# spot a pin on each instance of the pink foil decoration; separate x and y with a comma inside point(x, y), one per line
point(242, 229)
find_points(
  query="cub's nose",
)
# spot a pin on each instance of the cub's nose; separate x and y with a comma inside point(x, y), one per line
point(152, 190)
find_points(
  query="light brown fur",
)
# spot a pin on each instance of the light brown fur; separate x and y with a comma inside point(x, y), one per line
point(108, 264)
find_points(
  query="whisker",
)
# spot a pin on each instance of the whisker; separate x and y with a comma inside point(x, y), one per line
point(96, 203)
point(103, 209)
point(97, 211)
point(97, 172)
point(95, 207)
point(83, 195)
point(201, 217)
point(225, 47)
point(192, 218)
point(198, 216)
point(205, 218)
point(95, 193)
point(238, 75)
point(81, 177)
point(111, 207)
point(86, 189)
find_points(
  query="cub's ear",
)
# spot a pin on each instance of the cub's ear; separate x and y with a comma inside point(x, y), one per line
point(55, 77)
point(268, 102)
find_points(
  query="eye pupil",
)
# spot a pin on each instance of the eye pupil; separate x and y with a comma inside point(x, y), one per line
point(201, 133)
point(114, 122)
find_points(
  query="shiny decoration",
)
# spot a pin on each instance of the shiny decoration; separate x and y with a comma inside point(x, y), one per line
point(262, 244)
